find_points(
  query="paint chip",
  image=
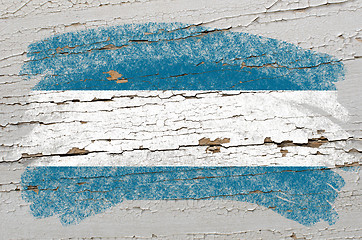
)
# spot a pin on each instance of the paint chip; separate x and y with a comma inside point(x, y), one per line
point(217, 141)
point(77, 151)
point(213, 146)
point(114, 75)
point(284, 152)
point(33, 188)
point(213, 149)
point(27, 155)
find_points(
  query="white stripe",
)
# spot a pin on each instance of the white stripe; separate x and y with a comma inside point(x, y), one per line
point(156, 128)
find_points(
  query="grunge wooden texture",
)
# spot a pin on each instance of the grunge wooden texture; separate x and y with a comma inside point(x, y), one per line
point(44, 126)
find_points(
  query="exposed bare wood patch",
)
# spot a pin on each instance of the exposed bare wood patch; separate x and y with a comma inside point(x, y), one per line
point(77, 151)
point(33, 188)
point(115, 77)
point(217, 141)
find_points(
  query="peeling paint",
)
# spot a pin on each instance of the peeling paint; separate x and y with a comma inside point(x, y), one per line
point(58, 129)
point(170, 57)
point(302, 194)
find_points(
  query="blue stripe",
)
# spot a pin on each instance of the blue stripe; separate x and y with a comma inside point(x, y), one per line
point(176, 56)
point(302, 194)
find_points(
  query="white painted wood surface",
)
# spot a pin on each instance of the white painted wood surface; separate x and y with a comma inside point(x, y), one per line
point(166, 128)
point(28, 118)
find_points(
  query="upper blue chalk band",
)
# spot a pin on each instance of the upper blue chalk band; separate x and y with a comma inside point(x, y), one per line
point(176, 56)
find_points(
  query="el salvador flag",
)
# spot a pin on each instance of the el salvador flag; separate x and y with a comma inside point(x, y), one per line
point(172, 111)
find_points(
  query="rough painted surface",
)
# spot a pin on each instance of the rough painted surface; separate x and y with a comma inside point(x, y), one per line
point(301, 194)
point(40, 129)
point(181, 128)
point(175, 56)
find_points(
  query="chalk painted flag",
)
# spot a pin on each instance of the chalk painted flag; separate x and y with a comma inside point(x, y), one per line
point(172, 111)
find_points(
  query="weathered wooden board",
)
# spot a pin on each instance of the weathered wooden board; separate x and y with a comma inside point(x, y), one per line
point(196, 119)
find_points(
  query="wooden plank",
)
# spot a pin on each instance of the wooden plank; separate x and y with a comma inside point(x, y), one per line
point(181, 160)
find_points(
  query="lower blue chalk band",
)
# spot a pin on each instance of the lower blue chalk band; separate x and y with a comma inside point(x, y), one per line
point(302, 194)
